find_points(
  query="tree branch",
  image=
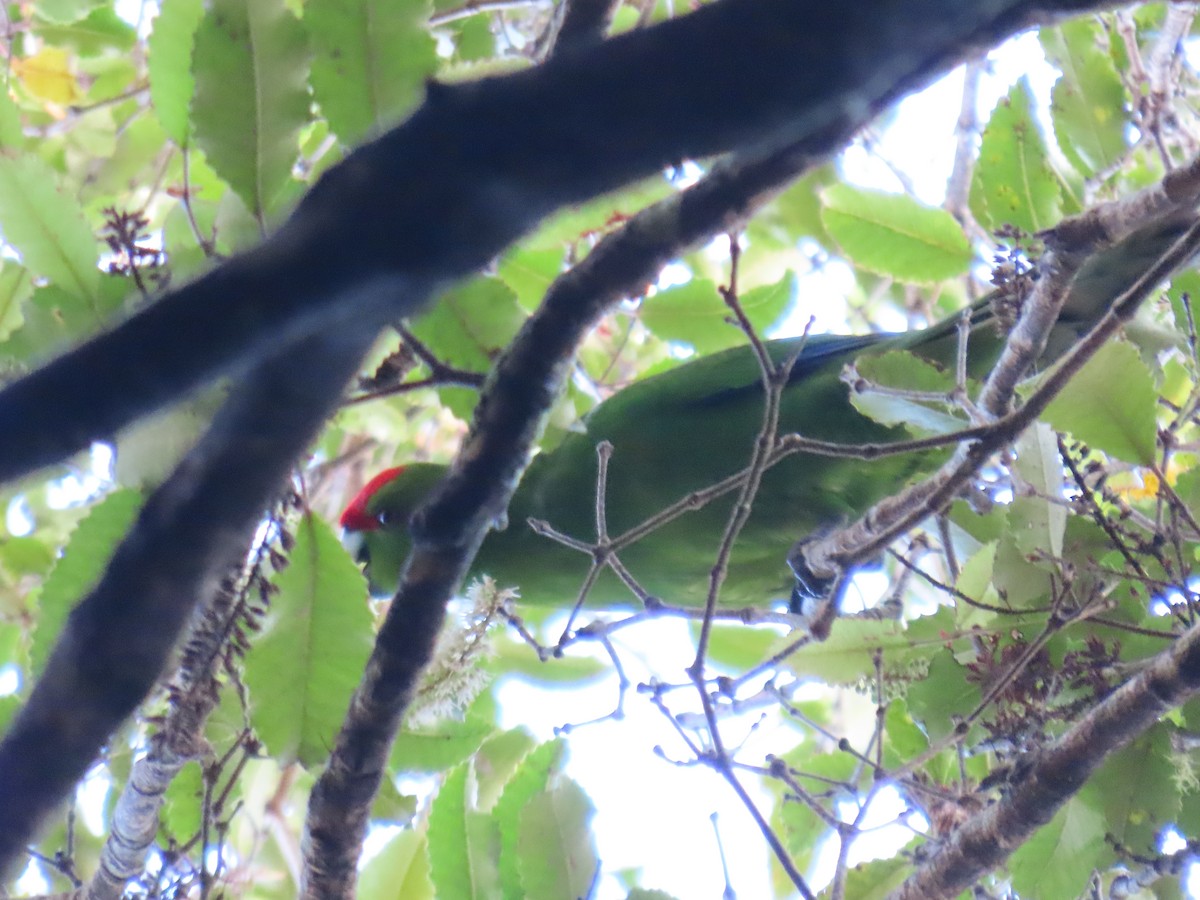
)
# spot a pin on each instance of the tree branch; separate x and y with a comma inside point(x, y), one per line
point(479, 164)
point(1144, 220)
point(474, 168)
point(1056, 773)
point(193, 528)
point(520, 391)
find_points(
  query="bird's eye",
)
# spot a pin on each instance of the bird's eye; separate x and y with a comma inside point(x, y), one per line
point(387, 519)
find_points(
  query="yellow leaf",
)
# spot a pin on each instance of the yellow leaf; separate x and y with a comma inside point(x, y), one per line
point(47, 75)
point(1144, 484)
point(1147, 489)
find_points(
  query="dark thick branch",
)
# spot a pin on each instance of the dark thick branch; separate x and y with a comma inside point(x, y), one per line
point(580, 23)
point(478, 164)
point(192, 529)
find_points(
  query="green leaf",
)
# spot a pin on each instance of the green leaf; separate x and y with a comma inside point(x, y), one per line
point(1014, 183)
point(557, 857)
point(904, 371)
point(47, 226)
point(25, 556)
point(182, 811)
point(399, 871)
point(1022, 583)
point(943, 693)
point(12, 136)
point(170, 65)
point(461, 842)
point(391, 806)
point(692, 313)
point(598, 216)
point(1110, 405)
point(9, 706)
point(877, 879)
point(796, 212)
point(315, 642)
point(82, 562)
point(371, 60)
point(251, 66)
point(529, 273)
point(467, 328)
point(1058, 859)
point(475, 39)
point(438, 747)
point(1137, 790)
point(848, 653)
point(15, 285)
point(496, 762)
point(800, 826)
point(64, 10)
point(54, 317)
point(737, 647)
point(765, 304)
point(102, 33)
point(975, 577)
point(902, 738)
point(149, 449)
point(696, 314)
point(1086, 103)
point(531, 778)
point(515, 659)
point(895, 235)
point(1037, 523)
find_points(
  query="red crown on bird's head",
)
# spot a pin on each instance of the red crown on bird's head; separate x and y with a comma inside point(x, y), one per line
point(355, 517)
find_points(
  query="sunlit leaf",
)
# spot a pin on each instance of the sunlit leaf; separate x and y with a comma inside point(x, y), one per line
point(399, 871)
point(877, 879)
point(467, 329)
point(461, 842)
point(96, 38)
point(1137, 789)
point(695, 313)
point(1110, 405)
point(1058, 859)
point(849, 652)
point(557, 856)
point(530, 779)
point(440, 746)
point(892, 234)
point(1086, 105)
point(79, 568)
point(315, 641)
point(48, 76)
point(11, 132)
point(1037, 523)
point(1014, 184)
point(170, 65)
point(183, 804)
point(251, 134)
point(372, 58)
point(941, 695)
point(64, 10)
point(887, 377)
point(47, 226)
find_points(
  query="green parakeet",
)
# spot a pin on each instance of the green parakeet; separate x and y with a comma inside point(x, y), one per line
point(686, 429)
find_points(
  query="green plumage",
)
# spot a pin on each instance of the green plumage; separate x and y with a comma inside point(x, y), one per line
point(688, 428)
